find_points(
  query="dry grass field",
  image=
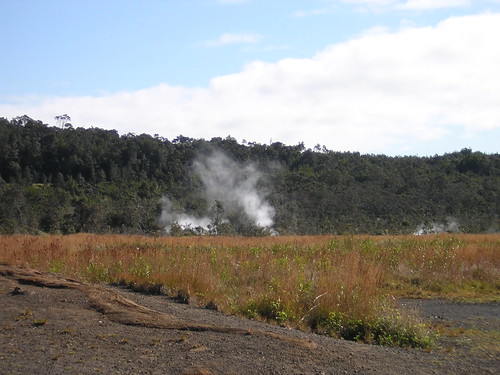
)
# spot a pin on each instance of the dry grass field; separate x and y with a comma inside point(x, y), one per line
point(343, 286)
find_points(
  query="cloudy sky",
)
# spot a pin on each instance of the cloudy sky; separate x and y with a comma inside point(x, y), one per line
point(398, 77)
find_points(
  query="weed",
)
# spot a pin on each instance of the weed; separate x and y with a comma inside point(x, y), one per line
point(268, 309)
point(392, 329)
point(447, 329)
point(26, 314)
point(155, 342)
point(39, 322)
point(56, 266)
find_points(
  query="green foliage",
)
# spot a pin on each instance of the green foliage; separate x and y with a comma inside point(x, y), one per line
point(269, 309)
point(391, 329)
point(97, 273)
point(56, 266)
point(69, 180)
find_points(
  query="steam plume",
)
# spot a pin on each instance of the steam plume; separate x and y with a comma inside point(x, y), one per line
point(171, 214)
point(234, 185)
point(451, 225)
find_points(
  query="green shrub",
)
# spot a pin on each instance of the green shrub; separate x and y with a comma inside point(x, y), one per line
point(391, 329)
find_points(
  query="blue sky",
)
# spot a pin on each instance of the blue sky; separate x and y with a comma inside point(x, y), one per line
point(398, 77)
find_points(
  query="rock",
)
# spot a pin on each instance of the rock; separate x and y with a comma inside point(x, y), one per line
point(17, 291)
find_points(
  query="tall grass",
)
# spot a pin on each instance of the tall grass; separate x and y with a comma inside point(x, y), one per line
point(341, 286)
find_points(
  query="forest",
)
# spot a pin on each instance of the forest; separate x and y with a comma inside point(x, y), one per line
point(65, 179)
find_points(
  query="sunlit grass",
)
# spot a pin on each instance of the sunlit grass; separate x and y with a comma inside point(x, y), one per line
point(337, 285)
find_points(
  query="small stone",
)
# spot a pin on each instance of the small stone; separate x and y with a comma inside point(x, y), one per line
point(17, 290)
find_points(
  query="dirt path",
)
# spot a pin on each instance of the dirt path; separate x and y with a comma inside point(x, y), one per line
point(53, 325)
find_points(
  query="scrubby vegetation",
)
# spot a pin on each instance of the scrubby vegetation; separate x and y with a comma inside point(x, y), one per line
point(343, 286)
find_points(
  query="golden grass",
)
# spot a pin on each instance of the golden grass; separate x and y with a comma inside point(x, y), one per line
point(305, 281)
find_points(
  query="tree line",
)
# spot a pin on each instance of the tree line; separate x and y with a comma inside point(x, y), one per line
point(68, 180)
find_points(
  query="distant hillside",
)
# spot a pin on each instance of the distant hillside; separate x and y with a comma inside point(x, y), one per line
point(67, 180)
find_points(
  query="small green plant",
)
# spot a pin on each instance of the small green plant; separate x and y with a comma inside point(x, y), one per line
point(155, 342)
point(26, 314)
point(39, 322)
point(56, 266)
point(96, 272)
point(268, 309)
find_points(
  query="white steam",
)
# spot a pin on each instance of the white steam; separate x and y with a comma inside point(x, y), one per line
point(233, 185)
point(449, 226)
point(171, 214)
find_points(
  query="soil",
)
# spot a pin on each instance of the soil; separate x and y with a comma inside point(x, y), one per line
point(55, 325)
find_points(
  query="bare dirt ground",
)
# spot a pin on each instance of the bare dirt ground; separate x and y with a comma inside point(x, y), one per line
point(54, 325)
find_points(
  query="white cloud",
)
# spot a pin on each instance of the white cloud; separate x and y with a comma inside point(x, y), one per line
point(432, 4)
point(384, 5)
point(313, 12)
point(227, 38)
point(370, 6)
point(381, 92)
point(369, 2)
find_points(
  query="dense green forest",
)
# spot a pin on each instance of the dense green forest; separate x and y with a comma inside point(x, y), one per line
point(67, 180)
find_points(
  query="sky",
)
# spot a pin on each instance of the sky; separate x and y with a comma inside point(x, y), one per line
point(394, 77)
